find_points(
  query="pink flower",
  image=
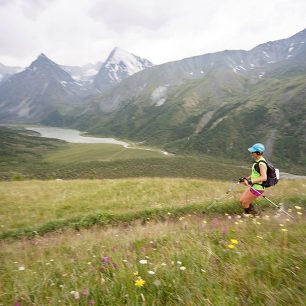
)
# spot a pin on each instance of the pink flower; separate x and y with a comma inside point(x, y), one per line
point(91, 302)
point(84, 293)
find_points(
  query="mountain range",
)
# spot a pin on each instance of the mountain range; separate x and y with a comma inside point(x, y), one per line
point(45, 91)
point(217, 103)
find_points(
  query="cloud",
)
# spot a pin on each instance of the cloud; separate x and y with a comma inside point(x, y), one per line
point(123, 16)
point(77, 32)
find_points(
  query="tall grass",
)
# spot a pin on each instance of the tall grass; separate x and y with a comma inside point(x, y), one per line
point(190, 260)
point(32, 207)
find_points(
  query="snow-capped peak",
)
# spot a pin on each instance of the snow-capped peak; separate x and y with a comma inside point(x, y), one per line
point(119, 65)
point(131, 62)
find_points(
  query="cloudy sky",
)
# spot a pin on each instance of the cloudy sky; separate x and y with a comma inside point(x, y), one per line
point(77, 32)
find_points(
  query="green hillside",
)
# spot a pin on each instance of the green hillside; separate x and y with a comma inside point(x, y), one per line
point(25, 156)
point(229, 112)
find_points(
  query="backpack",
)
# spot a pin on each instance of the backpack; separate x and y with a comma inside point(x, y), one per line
point(272, 174)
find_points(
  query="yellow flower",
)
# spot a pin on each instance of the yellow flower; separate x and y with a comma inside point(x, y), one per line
point(204, 221)
point(231, 246)
point(284, 230)
point(299, 213)
point(234, 241)
point(135, 273)
point(259, 237)
point(298, 207)
point(139, 282)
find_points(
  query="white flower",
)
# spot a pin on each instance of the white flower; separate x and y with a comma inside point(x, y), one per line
point(143, 261)
point(124, 260)
point(179, 263)
point(75, 294)
point(163, 264)
point(21, 268)
point(182, 268)
point(151, 272)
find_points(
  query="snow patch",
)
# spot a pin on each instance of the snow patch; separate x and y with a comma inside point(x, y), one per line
point(159, 95)
point(64, 83)
point(265, 53)
point(237, 69)
point(290, 49)
point(261, 75)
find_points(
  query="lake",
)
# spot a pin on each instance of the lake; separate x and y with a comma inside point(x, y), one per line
point(73, 136)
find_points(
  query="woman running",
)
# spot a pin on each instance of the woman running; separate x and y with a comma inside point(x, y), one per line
point(255, 180)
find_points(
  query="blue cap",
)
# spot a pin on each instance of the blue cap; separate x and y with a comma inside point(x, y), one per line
point(257, 147)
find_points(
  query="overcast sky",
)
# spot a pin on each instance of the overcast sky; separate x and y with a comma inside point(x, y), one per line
point(77, 32)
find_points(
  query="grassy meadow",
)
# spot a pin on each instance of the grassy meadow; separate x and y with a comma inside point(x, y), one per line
point(187, 260)
point(25, 156)
point(95, 224)
point(148, 242)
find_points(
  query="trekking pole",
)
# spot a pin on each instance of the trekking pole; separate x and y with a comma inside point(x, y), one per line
point(276, 205)
point(231, 188)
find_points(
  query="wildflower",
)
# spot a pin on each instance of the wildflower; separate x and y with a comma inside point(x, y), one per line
point(181, 218)
point(204, 221)
point(182, 268)
point(91, 302)
point(297, 207)
point(135, 273)
point(231, 246)
point(75, 294)
point(84, 293)
point(143, 261)
point(282, 225)
point(299, 213)
point(289, 210)
point(204, 271)
point(151, 272)
point(284, 230)
point(179, 263)
point(163, 264)
point(105, 259)
point(21, 268)
point(229, 217)
point(234, 241)
point(157, 283)
point(139, 282)
point(125, 261)
point(169, 213)
point(236, 223)
point(259, 237)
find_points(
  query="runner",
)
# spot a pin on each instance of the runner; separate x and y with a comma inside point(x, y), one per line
point(255, 180)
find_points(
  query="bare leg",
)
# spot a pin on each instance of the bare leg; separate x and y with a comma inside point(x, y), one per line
point(247, 198)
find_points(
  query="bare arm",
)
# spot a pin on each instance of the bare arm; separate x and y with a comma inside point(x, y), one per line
point(263, 175)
